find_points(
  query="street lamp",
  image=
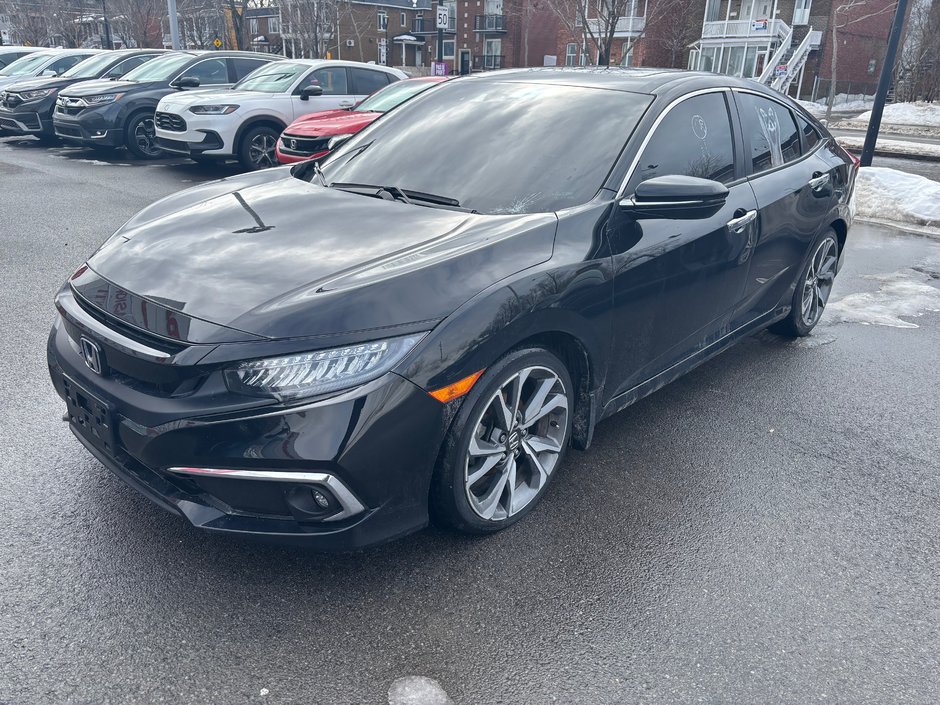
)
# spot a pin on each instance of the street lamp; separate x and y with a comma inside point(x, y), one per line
point(174, 24)
point(107, 25)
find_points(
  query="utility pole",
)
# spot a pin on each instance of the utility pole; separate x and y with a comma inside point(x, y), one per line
point(108, 42)
point(884, 83)
point(174, 24)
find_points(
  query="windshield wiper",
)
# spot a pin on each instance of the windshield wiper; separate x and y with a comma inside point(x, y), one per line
point(319, 173)
point(404, 195)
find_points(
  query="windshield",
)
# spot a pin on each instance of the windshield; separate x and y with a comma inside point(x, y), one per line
point(90, 68)
point(395, 94)
point(495, 147)
point(275, 77)
point(161, 69)
point(22, 67)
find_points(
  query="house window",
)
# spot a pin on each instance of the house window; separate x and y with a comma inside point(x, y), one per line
point(801, 12)
point(383, 20)
point(253, 27)
point(274, 25)
point(871, 65)
point(402, 19)
point(449, 47)
point(571, 54)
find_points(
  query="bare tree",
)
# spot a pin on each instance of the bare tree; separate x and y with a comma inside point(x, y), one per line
point(844, 15)
point(138, 22)
point(314, 23)
point(359, 20)
point(597, 22)
point(28, 21)
point(918, 70)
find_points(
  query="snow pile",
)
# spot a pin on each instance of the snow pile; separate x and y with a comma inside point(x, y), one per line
point(417, 690)
point(908, 114)
point(905, 293)
point(889, 194)
point(890, 147)
point(817, 109)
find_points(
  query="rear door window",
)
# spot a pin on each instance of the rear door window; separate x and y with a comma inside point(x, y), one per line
point(366, 81)
point(243, 67)
point(694, 139)
point(128, 64)
point(811, 135)
point(770, 132)
point(212, 72)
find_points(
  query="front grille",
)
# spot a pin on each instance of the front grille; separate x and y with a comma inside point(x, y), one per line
point(304, 146)
point(30, 121)
point(170, 122)
point(68, 109)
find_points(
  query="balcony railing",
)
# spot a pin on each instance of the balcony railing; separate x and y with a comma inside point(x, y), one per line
point(487, 62)
point(427, 25)
point(489, 23)
point(626, 26)
point(735, 29)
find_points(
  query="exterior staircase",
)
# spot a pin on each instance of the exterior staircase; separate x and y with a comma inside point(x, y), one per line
point(789, 59)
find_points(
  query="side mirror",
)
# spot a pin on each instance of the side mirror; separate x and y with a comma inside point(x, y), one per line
point(311, 92)
point(48, 72)
point(677, 196)
point(186, 82)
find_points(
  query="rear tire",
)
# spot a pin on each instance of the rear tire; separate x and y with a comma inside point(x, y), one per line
point(813, 289)
point(506, 443)
point(257, 148)
point(141, 138)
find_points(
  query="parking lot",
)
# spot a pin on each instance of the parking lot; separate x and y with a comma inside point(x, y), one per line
point(764, 530)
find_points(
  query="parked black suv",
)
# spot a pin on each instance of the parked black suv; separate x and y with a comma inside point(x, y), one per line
point(110, 114)
point(26, 108)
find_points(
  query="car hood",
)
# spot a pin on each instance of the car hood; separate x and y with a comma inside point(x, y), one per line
point(277, 257)
point(102, 85)
point(202, 96)
point(33, 84)
point(8, 81)
point(330, 122)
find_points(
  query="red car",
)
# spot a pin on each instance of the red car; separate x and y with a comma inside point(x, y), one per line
point(308, 137)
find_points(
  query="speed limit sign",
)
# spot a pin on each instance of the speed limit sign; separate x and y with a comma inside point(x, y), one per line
point(442, 17)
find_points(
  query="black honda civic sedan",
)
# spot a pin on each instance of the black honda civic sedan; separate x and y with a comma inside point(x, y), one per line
point(420, 326)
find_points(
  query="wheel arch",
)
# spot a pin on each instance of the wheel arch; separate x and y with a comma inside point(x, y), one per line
point(841, 229)
point(271, 121)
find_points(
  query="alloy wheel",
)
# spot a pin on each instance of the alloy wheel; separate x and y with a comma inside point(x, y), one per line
point(261, 151)
point(145, 136)
point(818, 283)
point(516, 443)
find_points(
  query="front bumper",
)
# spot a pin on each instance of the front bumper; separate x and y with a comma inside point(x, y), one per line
point(370, 451)
point(93, 126)
point(200, 135)
point(23, 122)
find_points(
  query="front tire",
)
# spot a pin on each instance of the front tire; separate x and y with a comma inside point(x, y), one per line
point(507, 440)
point(141, 138)
point(257, 148)
point(813, 289)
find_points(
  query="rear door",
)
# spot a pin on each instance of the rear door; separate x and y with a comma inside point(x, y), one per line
point(678, 278)
point(793, 184)
point(212, 73)
point(365, 82)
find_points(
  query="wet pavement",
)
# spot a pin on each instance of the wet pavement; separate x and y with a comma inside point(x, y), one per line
point(763, 530)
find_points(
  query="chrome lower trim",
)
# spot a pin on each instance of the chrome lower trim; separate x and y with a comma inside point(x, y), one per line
point(344, 496)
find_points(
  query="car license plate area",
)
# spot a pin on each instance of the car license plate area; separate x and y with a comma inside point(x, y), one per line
point(89, 416)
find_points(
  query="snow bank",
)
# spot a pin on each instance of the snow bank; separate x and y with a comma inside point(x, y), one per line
point(817, 109)
point(906, 293)
point(889, 194)
point(908, 114)
point(885, 146)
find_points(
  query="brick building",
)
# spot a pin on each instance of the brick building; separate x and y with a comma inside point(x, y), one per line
point(751, 38)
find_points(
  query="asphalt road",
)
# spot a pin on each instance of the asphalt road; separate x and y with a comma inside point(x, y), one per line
point(762, 531)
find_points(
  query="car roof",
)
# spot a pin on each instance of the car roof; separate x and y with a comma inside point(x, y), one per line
point(634, 80)
point(342, 62)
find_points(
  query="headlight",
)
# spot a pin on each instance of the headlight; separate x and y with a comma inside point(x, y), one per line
point(213, 109)
point(33, 95)
point(102, 99)
point(319, 372)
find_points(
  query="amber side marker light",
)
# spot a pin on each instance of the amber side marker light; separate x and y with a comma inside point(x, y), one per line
point(457, 389)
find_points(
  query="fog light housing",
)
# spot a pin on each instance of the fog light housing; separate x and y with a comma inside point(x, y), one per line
point(311, 502)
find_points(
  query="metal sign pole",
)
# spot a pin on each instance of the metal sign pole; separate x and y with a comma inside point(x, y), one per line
point(174, 24)
point(884, 83)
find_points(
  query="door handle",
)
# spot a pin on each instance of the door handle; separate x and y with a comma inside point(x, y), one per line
point(737, 225)
point(347, 103)
point(818, 181)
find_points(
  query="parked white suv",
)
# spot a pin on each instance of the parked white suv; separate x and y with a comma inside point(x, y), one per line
point(245, 121)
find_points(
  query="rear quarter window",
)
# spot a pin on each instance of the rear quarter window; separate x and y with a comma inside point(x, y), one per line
point(769, 131)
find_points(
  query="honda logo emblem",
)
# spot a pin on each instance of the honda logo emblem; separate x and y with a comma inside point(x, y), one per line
point(92, 354)
point(293, 144)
